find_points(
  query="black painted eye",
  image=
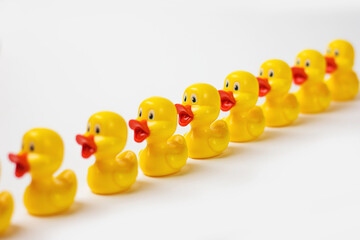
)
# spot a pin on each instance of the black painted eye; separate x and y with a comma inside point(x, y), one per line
point(97, 129)
point(261, 72)
point(227, 83)
point(271, 73)
point(88, 127)
point(298, 61)
point(193, 98)
point(236, 86)
point(307, 63)
point(32, 147)
point(336, 52)
point(151, 114)
point(185, 97)
point(140, 112)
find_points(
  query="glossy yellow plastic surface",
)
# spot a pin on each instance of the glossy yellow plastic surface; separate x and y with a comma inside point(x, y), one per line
point(6, 210)
point(343, 82)
point(41, 155)
point(246, 121)
point(207, 137)
point(281, 108)
point(113, 171)
point(165, 153)
point(309, 73)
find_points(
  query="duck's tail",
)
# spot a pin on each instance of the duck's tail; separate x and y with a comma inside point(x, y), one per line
point(68, 182)
point(6, 210)
point(128, 168)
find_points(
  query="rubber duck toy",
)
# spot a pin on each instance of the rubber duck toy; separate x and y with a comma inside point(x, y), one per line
point(309, 73)
point(41, 155)
point(281, 108)
point(6, 210)
point(246, 121)
point(201, 107)
point(165, 153)
point(343, 82)
point(105, 138)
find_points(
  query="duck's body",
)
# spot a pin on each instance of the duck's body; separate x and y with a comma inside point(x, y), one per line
point(41, 156)
point(309, 72)
point(51, 195)
point(343, 85)
point(280, 111)
point(343, 82)
point(164, 158)
point(313, 97)
point(164, 153)
point(106, 137)
point(246, 121)
point(207, 137)
point(6, 210)
point(280, 108)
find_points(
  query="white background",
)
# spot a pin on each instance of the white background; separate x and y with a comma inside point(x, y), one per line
point(61, 61)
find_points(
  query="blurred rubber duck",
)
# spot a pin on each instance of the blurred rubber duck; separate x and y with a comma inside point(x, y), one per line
point(6, 210)
point(113, 171)
point(201, 107)
point(165, 153)
point(281, 108)
point(343, 82)
point(246, 121)
point(41, 155)
point(309, 73)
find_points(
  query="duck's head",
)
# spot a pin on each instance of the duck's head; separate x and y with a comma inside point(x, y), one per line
point(309, 66)
point(105, 136)
point(241, 91)
point(339, 54)
point(275, 78)
point(41, 153)
point(156, 120)
point(201, 104)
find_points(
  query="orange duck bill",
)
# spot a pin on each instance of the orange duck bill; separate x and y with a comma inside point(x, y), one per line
point(22, 164)
point(141, 130)
point(264, 86)
point(185, 114)
point(331, 65)
point(88, 145)
point(299, 75)
point(227, 100)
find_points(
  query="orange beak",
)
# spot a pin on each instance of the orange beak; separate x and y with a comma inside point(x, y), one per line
point(141, 130)
point(299, 75)
point(22, 164)
point(264, 86)
point(185, 114)
point(331, 65)
point(88, 145)
point(227, 100)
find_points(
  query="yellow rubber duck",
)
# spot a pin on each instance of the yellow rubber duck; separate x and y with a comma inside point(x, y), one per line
point(113, 171)
point(165, 153)
point(6, 210)
point(41, 155)
point(281, 108)
point(201, 107)
point(246, 121)
point(309, 73)
point(343, 82)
